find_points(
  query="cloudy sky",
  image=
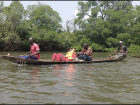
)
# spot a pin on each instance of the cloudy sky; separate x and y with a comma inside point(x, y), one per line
point(67, 9)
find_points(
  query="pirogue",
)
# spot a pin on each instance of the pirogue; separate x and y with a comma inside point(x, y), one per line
point(49, 62)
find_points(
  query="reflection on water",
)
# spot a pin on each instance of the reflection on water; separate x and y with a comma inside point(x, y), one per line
point(35, 80)
point(35, 75)
point(67, 72)
point(67, 69)
point(101, 83)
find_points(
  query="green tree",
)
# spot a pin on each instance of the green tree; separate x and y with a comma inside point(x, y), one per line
point(14, 14)
point(45, 26)
point(106, 20)
point(10, 23)
point(1, 6)
point(43, 16)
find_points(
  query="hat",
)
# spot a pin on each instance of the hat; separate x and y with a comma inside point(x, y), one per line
point(121, 42)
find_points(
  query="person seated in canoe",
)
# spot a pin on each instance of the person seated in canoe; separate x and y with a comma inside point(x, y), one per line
point(123, 50)
point(86, 53)
point(61, 58)
point(34, 52)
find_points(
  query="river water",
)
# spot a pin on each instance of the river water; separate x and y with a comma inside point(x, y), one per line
point(94, 83)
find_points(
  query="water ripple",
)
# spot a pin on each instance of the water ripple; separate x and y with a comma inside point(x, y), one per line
point(97, 83)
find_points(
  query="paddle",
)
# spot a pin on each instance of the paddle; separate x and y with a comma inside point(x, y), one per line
point(134, 56)
point(129, 55)
point(19, 55)
point(22, 55)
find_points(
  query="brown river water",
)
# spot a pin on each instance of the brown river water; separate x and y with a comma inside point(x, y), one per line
point(94, 83)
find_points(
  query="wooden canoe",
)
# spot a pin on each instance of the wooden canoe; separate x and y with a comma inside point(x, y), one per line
point(49, 62)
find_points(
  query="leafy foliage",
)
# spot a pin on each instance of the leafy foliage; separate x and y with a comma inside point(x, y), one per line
point(134, 48)
point(101, 24)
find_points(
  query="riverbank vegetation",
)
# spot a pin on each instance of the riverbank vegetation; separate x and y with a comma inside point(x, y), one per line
point(106, 23)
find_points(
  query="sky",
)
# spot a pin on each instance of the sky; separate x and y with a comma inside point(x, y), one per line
point(67, 9)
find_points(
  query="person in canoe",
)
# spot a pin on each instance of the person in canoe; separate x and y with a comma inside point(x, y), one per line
point(61, 58)
point(86, 53)
point(123, 50)
point(34, 52)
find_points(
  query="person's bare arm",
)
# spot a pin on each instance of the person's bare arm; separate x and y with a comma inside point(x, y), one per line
point(38, 52)
point(127, 50)
point(28, 53)
point(79, 53)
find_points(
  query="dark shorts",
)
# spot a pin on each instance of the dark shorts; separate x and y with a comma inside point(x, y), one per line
point(29, 57)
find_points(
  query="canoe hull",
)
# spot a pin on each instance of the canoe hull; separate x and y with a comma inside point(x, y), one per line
point(49, 62)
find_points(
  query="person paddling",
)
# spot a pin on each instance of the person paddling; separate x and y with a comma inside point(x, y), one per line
point(34, 52)
point(123, 51)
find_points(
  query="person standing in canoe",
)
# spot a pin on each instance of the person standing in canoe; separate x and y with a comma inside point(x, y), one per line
point(34, 52)
point(86, 53)
point(123, 50)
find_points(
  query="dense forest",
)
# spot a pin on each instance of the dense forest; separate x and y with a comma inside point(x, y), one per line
point(108, 22)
